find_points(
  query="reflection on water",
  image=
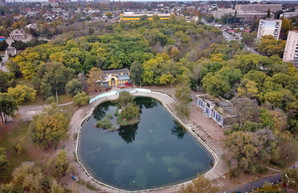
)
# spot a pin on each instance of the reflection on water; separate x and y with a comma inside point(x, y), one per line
point(155, 152)
point(178, 131)
point(128, 132)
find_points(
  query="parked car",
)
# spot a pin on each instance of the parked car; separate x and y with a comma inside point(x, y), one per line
point(125, 85)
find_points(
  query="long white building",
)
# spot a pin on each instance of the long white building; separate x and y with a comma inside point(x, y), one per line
point(291, 49)
point(269, 27)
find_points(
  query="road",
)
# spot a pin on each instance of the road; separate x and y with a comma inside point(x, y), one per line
point(256, 184)
point(229, 37)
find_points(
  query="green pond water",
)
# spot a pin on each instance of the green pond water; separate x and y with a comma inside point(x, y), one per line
point(153, 153)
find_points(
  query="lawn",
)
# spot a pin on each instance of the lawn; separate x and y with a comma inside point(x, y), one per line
point(10, 135)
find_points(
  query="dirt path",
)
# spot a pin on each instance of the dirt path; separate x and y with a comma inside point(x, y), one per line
point(198, 123)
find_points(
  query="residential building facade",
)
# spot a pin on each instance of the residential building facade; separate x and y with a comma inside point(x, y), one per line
point(269, 27)
point(291, 49)
point(18, 34)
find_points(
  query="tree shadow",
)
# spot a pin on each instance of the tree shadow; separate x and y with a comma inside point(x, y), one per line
point(128, 132)
point(178, 131)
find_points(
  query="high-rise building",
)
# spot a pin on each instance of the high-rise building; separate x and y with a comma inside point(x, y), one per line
point(291, 49)
point(269, 27)
point(2, 2)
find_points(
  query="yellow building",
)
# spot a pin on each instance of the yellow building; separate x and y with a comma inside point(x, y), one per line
point(135, 17)
point(115, 77)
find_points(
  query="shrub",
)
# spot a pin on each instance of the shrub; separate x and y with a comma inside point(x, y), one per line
point(81, 99)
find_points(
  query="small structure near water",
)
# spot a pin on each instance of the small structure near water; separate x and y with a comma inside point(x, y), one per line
point(221, 111)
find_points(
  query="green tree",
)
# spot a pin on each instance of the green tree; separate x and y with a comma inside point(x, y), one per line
point(52, 79)
point(8, 107)
point(49, 128)
point(22, 93)
point(124, 99)
point(58, 165)
point(155, 17)
point(136, 71)
point(200, 184)
point(73, 87)
point(209, 18)
point(130, 111)
point(6, 80)
point(248, 38)
point(290, 178)
point(144, 18)
point(3, 45)
point(269, 46)
point(3, 159)
point(81, 99)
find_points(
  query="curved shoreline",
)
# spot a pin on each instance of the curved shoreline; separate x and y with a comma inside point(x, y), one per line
point(165, 100)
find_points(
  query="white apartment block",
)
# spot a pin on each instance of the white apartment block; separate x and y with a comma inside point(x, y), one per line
point(291, 49)
point(269, 27)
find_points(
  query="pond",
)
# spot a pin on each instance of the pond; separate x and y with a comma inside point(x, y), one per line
point(153, 153)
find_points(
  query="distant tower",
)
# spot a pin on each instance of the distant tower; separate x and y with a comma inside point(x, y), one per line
point(2, 3)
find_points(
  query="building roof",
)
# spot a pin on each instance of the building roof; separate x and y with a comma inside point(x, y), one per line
point(123, 77)
point(115, 71)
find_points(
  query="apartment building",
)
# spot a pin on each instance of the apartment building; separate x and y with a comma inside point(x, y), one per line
point(291, 49)
point(269, 27)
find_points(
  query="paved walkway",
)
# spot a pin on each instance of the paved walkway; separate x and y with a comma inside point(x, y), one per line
point(84, 112)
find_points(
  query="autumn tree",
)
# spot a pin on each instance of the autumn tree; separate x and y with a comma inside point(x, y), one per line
point(290, 178)
point(49, 128)
point(8, 107)
point(269, 46)
point(73, 87)
point(247, 150)
point(247, 110)
point(81, 99)
point(22, 93)
point(58, 165)
point(94, 78)
point(200, 184)
point(183, 95)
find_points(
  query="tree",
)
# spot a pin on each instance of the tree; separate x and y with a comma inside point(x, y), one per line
point(200, 184)
point(49, 128)
point(183, 95)
point(269, 46)
point(3, 159)
point(268, 13)
point(94, 78)
point(248, 37)
point(6, 80)
point(73, 87)
point(56, 188)
point(136, 71)
point(209, 18)
point(247, 110)
point(52, 79)
point(109, 15)
point(8, 107)
point(290, 178)
point(155, 17)
point(130, 112)
point(3, 45)
point(144, 18)
point(27, 177)
point(22, 93)
point(247, 150)
point(58, 165)
point(124, 99)
point(81, 99)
